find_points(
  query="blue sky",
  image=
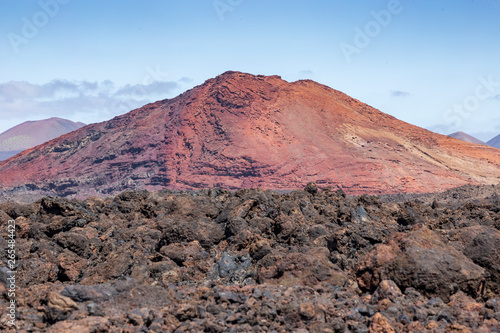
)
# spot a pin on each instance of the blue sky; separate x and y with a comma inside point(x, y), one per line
point(431, 63)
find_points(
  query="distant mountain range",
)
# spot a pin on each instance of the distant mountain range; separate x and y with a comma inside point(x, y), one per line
point(466, 137)
point(241, 131)
point(495, 142)
point(32, 133)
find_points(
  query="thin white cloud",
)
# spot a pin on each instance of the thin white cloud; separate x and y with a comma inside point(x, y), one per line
point(142, 90)
point(441, 129)
point(77, 100)
point(306, 73)
point(399, 93)
point(28, 91)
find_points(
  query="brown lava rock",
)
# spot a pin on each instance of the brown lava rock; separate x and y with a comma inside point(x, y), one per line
point(255, 260)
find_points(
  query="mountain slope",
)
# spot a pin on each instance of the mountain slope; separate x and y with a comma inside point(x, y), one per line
point(32, 133)
point(466, 137)
point(238, 131)
point(495, 142)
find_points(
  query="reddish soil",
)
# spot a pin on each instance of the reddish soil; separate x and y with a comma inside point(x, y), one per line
point(240, 131)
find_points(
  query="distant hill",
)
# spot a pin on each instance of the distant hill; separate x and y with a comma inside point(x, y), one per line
point(32, 133)
point(466, 137)
point(495, 142)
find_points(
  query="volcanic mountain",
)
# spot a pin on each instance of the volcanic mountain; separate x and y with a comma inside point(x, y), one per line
point(466, 137)
point(495, 142)
point(32, 133)
point(240, 130)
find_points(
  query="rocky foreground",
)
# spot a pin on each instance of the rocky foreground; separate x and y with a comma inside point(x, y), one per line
point(256, 261)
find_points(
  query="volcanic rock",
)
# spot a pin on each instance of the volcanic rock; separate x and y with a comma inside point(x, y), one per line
point(482, 245)
point(59, 307)
point(240, 131)
point(420, 260)
point(287, 262)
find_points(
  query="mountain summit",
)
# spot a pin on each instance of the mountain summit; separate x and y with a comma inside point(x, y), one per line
point(240, 130)
point(466, 137)
point(32, 133)
point(495, 142)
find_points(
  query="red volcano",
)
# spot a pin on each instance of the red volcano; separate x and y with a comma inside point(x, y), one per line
point(238, 131)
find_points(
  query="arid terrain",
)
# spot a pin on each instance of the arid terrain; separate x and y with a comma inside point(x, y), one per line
point(252, 204)
point(227, 166)
point(33, 133)
point(241, 131)
point(312, 260)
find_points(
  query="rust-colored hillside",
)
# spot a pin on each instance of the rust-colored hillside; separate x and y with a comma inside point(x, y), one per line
point(239, 131)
